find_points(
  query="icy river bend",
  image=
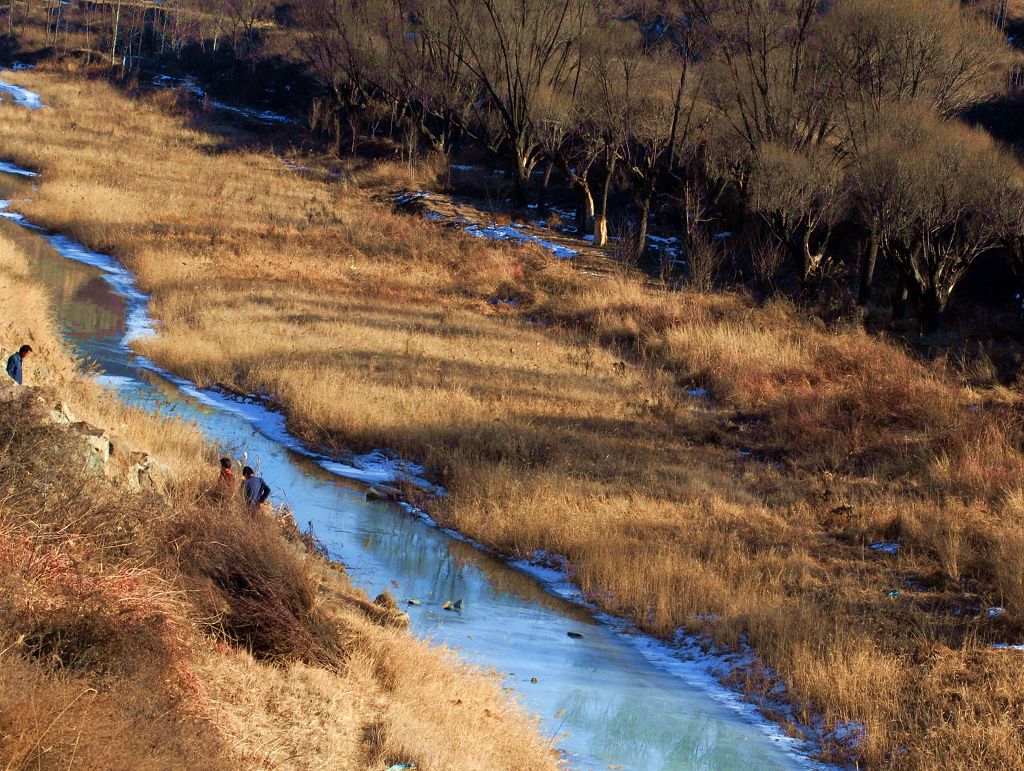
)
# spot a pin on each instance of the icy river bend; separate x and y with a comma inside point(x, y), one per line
point(608, 697)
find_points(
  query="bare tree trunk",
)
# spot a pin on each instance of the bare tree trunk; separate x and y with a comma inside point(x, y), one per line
point(584, 209)
point(521, 178)
point(353, 131)
point(867, 270)
point(899, 306)
point(542, 196)
point(930, 308)
point(88, 36)
point(601, 220)
point(117, 27)
point(337, 136)
point(56, 23)
point(645, 216)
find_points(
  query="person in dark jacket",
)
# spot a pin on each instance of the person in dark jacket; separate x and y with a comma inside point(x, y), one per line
point(254, 489)
point(16, 363)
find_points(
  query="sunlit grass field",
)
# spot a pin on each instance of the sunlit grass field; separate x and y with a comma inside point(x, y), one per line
point(568, 425)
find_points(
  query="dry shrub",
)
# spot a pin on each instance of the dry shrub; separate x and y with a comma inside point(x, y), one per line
point(260, 588)
point(95, 641)
point(59, 720)
point(766, 257)
point(705, 256)
point(68, 538)
point(626, 249)
point(91, 621)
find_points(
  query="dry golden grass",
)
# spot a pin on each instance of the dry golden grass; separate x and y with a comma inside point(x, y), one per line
point(125, 640)
point(567, 426)
point(27, 319)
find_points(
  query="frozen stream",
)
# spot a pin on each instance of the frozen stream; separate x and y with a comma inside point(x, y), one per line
point(612, 699)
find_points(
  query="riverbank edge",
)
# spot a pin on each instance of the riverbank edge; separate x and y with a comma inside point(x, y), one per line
point(107, 452)
point(696, 660)
point(771, 711)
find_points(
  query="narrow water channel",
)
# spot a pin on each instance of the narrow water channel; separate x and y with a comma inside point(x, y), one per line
point(607, 698)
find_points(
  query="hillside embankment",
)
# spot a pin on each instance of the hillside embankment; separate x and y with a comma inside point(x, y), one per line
point(146, 621)
point(853, 514)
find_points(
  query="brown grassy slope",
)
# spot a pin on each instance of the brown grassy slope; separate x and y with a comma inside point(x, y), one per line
point(138, 631)
point(370, 329)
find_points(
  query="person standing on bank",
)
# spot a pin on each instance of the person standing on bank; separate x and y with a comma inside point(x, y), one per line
point(16, 363)
point(254, 489)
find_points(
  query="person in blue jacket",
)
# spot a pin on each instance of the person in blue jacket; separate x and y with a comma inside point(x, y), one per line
point(16, 363)
point(254, 489)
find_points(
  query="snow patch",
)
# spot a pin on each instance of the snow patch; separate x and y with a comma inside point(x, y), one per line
point(10, 168)
point(495, 232)
point(405, 199)
point(118, 382)
point(669, 245)
point(21, 96)
point(189, 85)
point(497, 302)
point(260, 116)
point(376, 466)
point(13, 216)
point(885, 548)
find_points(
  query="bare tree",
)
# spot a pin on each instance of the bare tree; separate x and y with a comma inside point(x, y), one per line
point(243, 17)
point(884, 56)
point(335, 40)
point(705, 256)
point(563, 124)
point(516, 50)
point(929, 52)
point(947, 184)
point(801, 196)
point(614, 68)
point(667, 117)
point(769, 79)
point(417, 68)
point(1009, 217)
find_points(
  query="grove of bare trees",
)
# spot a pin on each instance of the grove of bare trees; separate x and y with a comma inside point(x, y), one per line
point(835, 130)
point(834, 127)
